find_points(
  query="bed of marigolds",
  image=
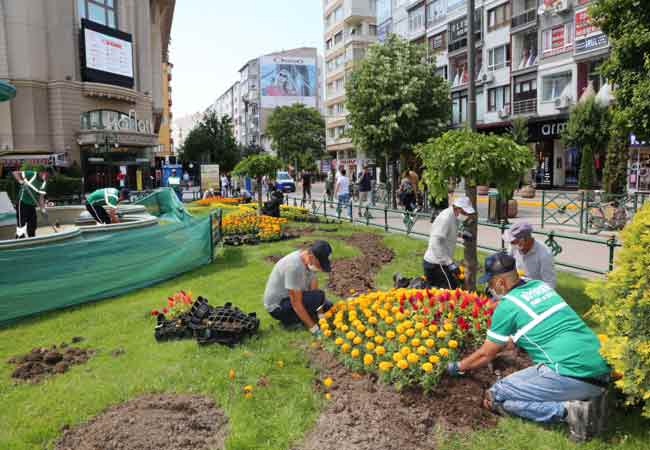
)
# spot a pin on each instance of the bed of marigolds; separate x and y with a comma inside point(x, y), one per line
point(294, 212)
point(408, 336)
point(246, 221)
point(222, 200)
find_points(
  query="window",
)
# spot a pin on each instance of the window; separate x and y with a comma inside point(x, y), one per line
point(329, 44)
point(331, 133)
point(383, 10)
point(554, 85)
point(499, 98)
point(435, 12)
point(338, 14)
point(330, 110)
point(498, 57)
point(372, 30)
point(583, 24)
point(442, 72)
point(98, 11)
point(530, 4)
point(594, 76)
point(416, 20)
point(340, 108)
point(339, 84)
point(451, 4)
point(525, 87)
point(499, 16)
point(338, 38)
point(330, 87)
point(458, 108)
point(558, 39)
point(438, 42)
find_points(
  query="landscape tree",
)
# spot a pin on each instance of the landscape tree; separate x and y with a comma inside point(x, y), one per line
point(298, 134)
point(395, 101)
point(588, 129)
point(257, 167)
point(212, 141)
point(479, 159)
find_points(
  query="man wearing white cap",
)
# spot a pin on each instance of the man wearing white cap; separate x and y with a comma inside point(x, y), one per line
point(533, 258)
point(439, 266)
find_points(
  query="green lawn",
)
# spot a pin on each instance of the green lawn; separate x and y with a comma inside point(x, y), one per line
point(32, 415)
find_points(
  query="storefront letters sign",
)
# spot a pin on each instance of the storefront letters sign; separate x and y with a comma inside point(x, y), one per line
point(131, 123)
point(546, 130)
point(591, 43)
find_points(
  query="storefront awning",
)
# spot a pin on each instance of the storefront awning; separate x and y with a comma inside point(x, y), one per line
point(17, 160)
point(7, 91)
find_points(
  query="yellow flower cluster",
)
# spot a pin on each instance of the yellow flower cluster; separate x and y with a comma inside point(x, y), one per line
point(246, 221)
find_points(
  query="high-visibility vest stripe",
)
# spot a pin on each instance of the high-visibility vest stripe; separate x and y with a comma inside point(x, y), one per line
point(539, 319)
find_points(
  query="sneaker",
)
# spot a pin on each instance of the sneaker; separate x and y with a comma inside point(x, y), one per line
point(495, 406)
point(586, 419)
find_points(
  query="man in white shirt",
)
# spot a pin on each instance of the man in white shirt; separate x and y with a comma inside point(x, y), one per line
point(438, 264)
point(533, 258)
point(342, 189)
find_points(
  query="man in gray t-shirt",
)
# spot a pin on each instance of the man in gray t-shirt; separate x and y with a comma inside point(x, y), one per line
point(533, 258)
point(292, 295)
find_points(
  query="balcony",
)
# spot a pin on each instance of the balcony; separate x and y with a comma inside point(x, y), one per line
point(526, 18)
point(525, 106)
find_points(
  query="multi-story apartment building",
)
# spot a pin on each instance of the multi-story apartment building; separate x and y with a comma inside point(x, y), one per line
point(165, 140)
point(534, 58)
point(265, 83)
point(89, 80)
point(350, 26)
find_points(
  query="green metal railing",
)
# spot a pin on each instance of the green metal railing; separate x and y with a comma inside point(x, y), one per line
point(378, 217)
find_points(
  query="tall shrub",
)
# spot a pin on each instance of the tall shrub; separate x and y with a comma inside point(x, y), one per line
point(622, 307)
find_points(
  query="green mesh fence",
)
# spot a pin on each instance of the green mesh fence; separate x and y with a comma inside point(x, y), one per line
point(164, 203)
point(101, 265)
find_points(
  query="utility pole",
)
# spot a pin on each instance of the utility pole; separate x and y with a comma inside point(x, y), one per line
point(470, 190)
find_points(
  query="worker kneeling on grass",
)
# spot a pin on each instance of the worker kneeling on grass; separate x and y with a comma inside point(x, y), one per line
point(102, 199)
point(569, 380)
point(292, 295)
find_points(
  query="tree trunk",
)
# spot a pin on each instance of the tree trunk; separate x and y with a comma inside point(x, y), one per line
point(393, 187)
point(471, 260)
point(259, 195)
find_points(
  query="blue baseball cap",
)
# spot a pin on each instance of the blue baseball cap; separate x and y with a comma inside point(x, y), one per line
point(497, 264)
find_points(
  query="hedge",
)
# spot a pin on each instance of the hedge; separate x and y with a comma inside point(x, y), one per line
point(58, 186)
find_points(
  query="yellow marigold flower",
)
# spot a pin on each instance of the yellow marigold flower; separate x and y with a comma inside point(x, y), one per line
point(433, 328)
point(355, 353)
point(370, 346)
point(368, 359)
point(441, 334)
point(410, 332)
point(328, 315)
point(422, 350)
point(327, 333)
point(415, 342)
point(322, 322)
point(400, 329)
point(427, 367)
point(370, 333)
point(248, 388)
point(280, 364)
point(434, 359)
point(394, 310)
point(350, 335)
point(328, 396)
point(345, 328)
point(390, 334)
point(602, 337)
point(379, 339)
point(430, 343)
point(327, 382)
point(380, 350)
point(372, 320)
point(397, 356)
point(402, 364)
point(452, 344)
point(345, 347)
point(339, 341)
point(405, 350)
point(449, 327)
point(385, 366)
point(412, 358)
point(389, 320)
point(357, 340)
point(443, 352)
point(419, 326)
point(408, 324)
point(231, 374)
point(424, 334)
point(403, 339)
point(361, 328)
point(248, 395)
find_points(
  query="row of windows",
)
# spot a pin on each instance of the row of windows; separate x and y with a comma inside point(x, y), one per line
point(99, 11)
point(336, 132)
point(337, 109)
point(334, 17)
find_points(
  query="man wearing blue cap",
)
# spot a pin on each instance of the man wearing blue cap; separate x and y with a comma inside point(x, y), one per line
point(569, 379)
point(292, 295)
point(533, 258)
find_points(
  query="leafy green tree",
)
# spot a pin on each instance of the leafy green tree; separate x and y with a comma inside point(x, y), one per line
point(627, 25)
point(298, 134)
point(212, 141)
point(481, 160)
point(396, 101)
point(588, 129)
point(615, 171)
point(257, 167)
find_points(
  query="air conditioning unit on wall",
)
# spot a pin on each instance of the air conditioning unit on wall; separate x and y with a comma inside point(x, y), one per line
point(563, 102)
point(503, 113)
point(487, 78)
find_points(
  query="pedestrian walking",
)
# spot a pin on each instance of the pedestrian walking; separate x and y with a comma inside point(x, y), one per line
point(306, 185)
point(407, 192)
point(342, 188)
point(365, 186)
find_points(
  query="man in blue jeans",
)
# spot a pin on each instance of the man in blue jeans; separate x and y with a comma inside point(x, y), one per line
point(292, 295)
point(569, 379)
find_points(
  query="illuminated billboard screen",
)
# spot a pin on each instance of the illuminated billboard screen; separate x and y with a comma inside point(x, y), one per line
point(107, 55)
point(288, 80)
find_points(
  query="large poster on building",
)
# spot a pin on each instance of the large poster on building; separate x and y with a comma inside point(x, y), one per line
point(107, 55)
point(287, 80)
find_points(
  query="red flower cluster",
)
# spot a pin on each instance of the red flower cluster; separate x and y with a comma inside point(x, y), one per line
point(177, 303)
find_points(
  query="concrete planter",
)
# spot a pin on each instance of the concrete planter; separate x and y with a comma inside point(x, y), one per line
point(527, 192)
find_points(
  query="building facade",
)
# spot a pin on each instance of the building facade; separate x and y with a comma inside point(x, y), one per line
point(89, 81)
point(350, 27)
point(535, 58)
point(165, 140)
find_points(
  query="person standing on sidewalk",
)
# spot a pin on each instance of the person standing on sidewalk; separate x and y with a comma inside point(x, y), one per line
point(365, 186)
point(342, 188)
point(569, 380)
point(533, 258)
point(439, 266)
point(407, 192)
point(306, 185)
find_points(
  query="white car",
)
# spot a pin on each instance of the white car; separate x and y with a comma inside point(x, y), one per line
point(284, 182)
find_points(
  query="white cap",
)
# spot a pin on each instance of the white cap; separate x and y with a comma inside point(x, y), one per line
point(465, 204)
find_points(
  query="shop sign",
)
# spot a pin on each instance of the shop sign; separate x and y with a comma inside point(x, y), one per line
point(591, 43)
point(546, 130)
point(634, 142)
point(131, 122)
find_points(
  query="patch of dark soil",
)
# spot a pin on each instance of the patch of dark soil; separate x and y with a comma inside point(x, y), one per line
point(273, 258)
point(296, 232)
point(152, 422)
point(355, 275)
point(44, 362)
point(364, 414)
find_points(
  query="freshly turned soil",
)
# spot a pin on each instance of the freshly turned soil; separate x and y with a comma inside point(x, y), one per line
point(364, 414)
point(43, 362)
point(152, 422)
point(273, 258)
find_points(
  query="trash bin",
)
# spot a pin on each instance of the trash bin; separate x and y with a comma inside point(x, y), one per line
point(495, 209)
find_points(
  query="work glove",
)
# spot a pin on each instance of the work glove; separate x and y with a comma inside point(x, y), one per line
point(467, 236)
point(315, 331)
point(453, 369)
point(453, 267)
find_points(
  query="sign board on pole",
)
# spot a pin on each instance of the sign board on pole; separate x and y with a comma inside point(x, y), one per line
point(210, 177)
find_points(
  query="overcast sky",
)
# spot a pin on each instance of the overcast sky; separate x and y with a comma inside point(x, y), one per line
point(212, 39)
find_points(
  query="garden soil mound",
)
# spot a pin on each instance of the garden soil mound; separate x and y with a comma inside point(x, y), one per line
point(152, 422)
point(364, 414)
point(355, 275)
point(44, 362)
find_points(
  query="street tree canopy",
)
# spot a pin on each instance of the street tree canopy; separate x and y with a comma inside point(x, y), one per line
point(298, 134)
point(212, 141)
point(257, 167)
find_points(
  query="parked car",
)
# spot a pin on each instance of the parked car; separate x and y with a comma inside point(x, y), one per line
point(284, 182)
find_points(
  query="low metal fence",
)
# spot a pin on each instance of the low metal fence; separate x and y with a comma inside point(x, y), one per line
point(385, 218)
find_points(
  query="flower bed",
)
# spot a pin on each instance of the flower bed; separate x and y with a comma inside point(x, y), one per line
point(297, 214)
point(223, 200)
point(247, 223)
point(408, 336)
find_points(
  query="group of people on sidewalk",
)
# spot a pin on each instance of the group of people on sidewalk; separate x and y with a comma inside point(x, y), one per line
point(569, 378)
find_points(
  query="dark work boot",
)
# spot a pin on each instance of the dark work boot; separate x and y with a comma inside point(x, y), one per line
point(588, 418)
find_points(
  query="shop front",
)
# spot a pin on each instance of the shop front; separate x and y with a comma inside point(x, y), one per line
point(638, 178)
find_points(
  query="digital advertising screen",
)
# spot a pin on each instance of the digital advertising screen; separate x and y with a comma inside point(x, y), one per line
point(288, 80)
point(107, 55)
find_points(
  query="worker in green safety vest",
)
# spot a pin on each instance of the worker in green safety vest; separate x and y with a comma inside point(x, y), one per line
point(569, 379)
point(102, 199)
point(32, 194)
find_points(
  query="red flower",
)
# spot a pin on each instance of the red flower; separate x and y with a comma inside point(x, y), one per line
point(401, 309)
point(429, 294)
point(415, 307)
point(444, 296)
point(475, 311)
point(419, 296)
point(462, 323)
point(165, 310)
point(489, 322)
point(170, 302)
point(402, 300)
point(465, 302)
point(478, 325)
point(432, 302)
point(154, 312)
point(426, 311)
